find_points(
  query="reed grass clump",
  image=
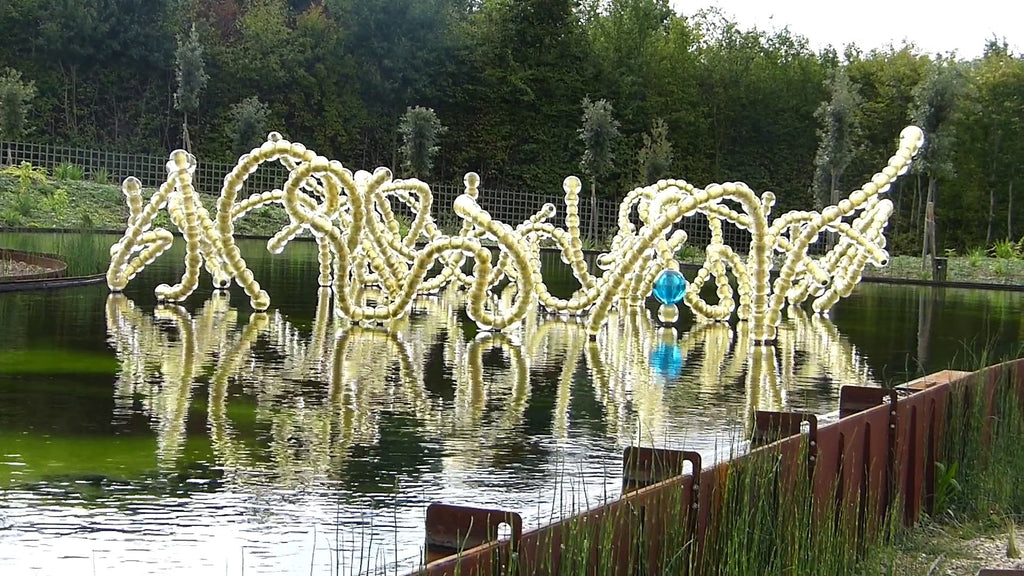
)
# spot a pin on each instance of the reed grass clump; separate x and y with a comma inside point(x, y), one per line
point(982, 437)
point(769, 521)
point(85, 253)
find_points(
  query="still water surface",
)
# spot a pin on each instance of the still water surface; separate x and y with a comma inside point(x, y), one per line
point(205, 439)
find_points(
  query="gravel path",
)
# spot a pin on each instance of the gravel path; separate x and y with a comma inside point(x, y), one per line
point(16, 268)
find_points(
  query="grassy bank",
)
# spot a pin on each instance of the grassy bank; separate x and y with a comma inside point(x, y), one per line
point(31, 197)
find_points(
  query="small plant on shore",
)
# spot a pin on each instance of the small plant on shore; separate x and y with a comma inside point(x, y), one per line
point(58, 203)
point(1011, 545)
point(85, 220)
point(69, 171)
point(101, 176)
point(27, 175)
point(974, 256)
point(690, 253)
point(1004, 249)
point(946, 485)
point(25, 203)
point(11, 217)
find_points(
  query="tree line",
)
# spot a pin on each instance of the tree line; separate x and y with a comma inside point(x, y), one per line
point(695, 97)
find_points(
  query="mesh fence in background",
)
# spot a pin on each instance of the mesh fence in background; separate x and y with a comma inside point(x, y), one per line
point(510, 206)
point(150, 169)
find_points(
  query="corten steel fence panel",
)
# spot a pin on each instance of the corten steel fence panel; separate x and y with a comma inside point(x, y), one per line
point(485, 560)
point(669, 514)
point(453, 528)
point(850, 465)
point(854, 467)
point(917, 425)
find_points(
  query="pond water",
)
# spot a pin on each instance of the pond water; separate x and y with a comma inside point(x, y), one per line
point(205, 439)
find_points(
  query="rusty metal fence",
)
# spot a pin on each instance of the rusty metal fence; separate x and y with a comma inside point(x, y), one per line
point(875, 462)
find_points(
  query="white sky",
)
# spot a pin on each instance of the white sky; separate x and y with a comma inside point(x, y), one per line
point(933, 26)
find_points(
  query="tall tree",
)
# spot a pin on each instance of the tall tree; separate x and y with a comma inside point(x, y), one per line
point(990, 142)
point(403, 51)
point(655, 157)
point(886, 80)
point(836, 138)
point(523, 67)
point(760, 92)
point(420, 130)
point(599, 132)
point(627, 36)
point(249, 120)
point(15, 96)
point(190, 70)
point(934, 105)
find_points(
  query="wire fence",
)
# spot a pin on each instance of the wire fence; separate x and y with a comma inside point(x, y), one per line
point(510, 206)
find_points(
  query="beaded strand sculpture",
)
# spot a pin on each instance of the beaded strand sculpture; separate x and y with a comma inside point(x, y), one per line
point(360, 246)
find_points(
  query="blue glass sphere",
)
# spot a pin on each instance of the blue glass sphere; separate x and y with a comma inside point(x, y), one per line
point(669, 287)
point(667, 361)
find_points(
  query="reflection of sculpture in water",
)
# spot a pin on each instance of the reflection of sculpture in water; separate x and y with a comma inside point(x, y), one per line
point(360, 245)
point(321, 393)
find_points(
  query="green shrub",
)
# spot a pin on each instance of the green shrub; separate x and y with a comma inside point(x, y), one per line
point(25, 203)
point(1004, 249)
point(101, 176)
point(58, 203)
point(27, 175)
point(974, 256)
point(85, 220)
point(10, 217)
point(69, 171)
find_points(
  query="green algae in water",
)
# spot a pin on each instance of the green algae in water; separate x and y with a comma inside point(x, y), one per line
point(57, 362)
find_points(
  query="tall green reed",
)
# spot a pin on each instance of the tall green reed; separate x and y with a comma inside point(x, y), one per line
point(85, 253)
point(982, 436)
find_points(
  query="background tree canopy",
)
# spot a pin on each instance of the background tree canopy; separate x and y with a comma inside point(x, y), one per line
point(506, 77)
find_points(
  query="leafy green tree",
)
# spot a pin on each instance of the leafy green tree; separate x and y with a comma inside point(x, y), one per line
point(404, 53)
point(759, 93)
point(886, 80)
point(514, 103)
point(420, 130)
point(935, 102)
point(599, 132)
point(837, 135)
point(15, 97)
point(190, 71)
point(249, 119)
point(655, 157)
point(990, 144)
point(836, 138)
